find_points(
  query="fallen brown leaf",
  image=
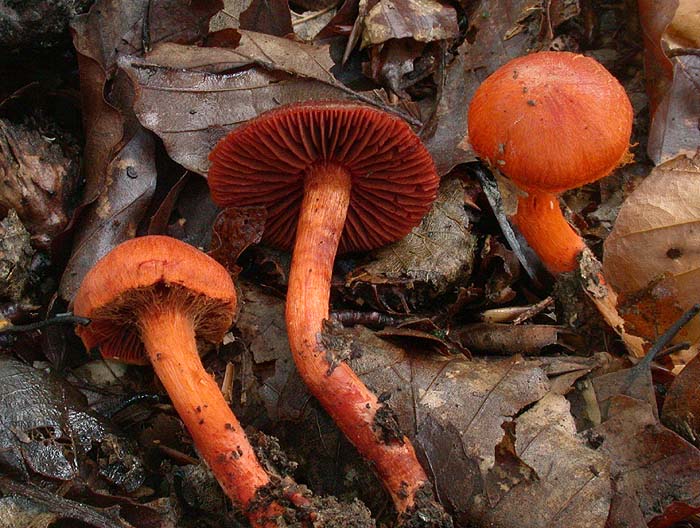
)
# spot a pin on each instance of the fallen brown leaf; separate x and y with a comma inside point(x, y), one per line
point(113, 217)
point(267, 16)
point(505, 339)
point(650, 462)
point(681, 410)
point(671, 43)
point(421, 20)
point(191, 110)
point(38, 180)
point(96, 44)
point(445, 132)
point(428, 261)
point(234, 230)
point(573, 487)
point(655, 236)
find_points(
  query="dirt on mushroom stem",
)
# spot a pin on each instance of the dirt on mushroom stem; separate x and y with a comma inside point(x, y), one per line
point(146, 298)
point(344, 396)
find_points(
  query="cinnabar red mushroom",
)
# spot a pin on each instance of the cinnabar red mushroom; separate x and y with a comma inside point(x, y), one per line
point(551, 121)
point(152, 299)
point(355, 178)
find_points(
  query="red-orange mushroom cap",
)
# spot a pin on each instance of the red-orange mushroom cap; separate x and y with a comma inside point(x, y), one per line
point(551, 121)
point(135, 276)
point(264, 162)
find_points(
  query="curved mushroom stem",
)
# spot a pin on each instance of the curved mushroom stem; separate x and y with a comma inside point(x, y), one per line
point(168, 335)
point(345, 397)
point(540, 221)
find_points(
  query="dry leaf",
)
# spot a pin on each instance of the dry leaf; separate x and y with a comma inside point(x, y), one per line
point(505, 339)
point(657, 233)
point(267, 16)
point(420, 20)
point(652, 463)
point(37, 181)
point(235, 229)
point(671, 42)
point(113, 217)
point(444, 134)
point(681, 410)
point(191, 110)
point(433, 257)
point(573, 488)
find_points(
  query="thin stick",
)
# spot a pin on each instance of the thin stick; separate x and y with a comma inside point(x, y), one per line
point(65, 318)
point(313, 15)
point(644, 365)
point(227, 383)
point(62, 507)
point(494, 198)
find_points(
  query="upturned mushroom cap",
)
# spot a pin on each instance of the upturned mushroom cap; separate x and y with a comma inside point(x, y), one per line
point(263, 163)
point(551, 121)
point(144, 274)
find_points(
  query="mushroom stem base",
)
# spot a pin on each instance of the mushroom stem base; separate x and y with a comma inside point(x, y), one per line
point(168, 334)
point(345, 397)
point(540, 221)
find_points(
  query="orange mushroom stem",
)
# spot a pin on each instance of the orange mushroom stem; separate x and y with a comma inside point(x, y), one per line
point(344, 396)
point(344, 177)
point(541, 222)
point(150, 299)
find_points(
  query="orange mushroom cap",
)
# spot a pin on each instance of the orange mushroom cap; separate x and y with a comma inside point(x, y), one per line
point(134, 276)
point(551, 121)
point(263, 163)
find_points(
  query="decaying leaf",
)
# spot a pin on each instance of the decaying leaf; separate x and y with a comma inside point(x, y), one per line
point(444, 134)
point(655, 237)
point(37, 181)
point(671, 43)
point(650, 462)
point(428, 261)
point(119, 154)
point(97, 37)
point(473, 399)
point(46, 429)
point(15, 256)
point(271, 52)
point(420, 20)
point(681, 410)
point(573, 486)
point(505, 339)
point(406, 40)
point(234, 230)
point(191, 110)
point(267, 16)
point(113, 217)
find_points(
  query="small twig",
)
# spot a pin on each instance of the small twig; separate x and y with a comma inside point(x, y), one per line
point(232, 17)
point(372, 319)
point(645, 364)
point(18, 92)
point(178, 456)
point(227, 383)
point(673, 348)
point(533, 310)
point(494, 197)
point(65, 318)
point(132, 400)
point(313, 15)
point(64, 508)
point(146, 29)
